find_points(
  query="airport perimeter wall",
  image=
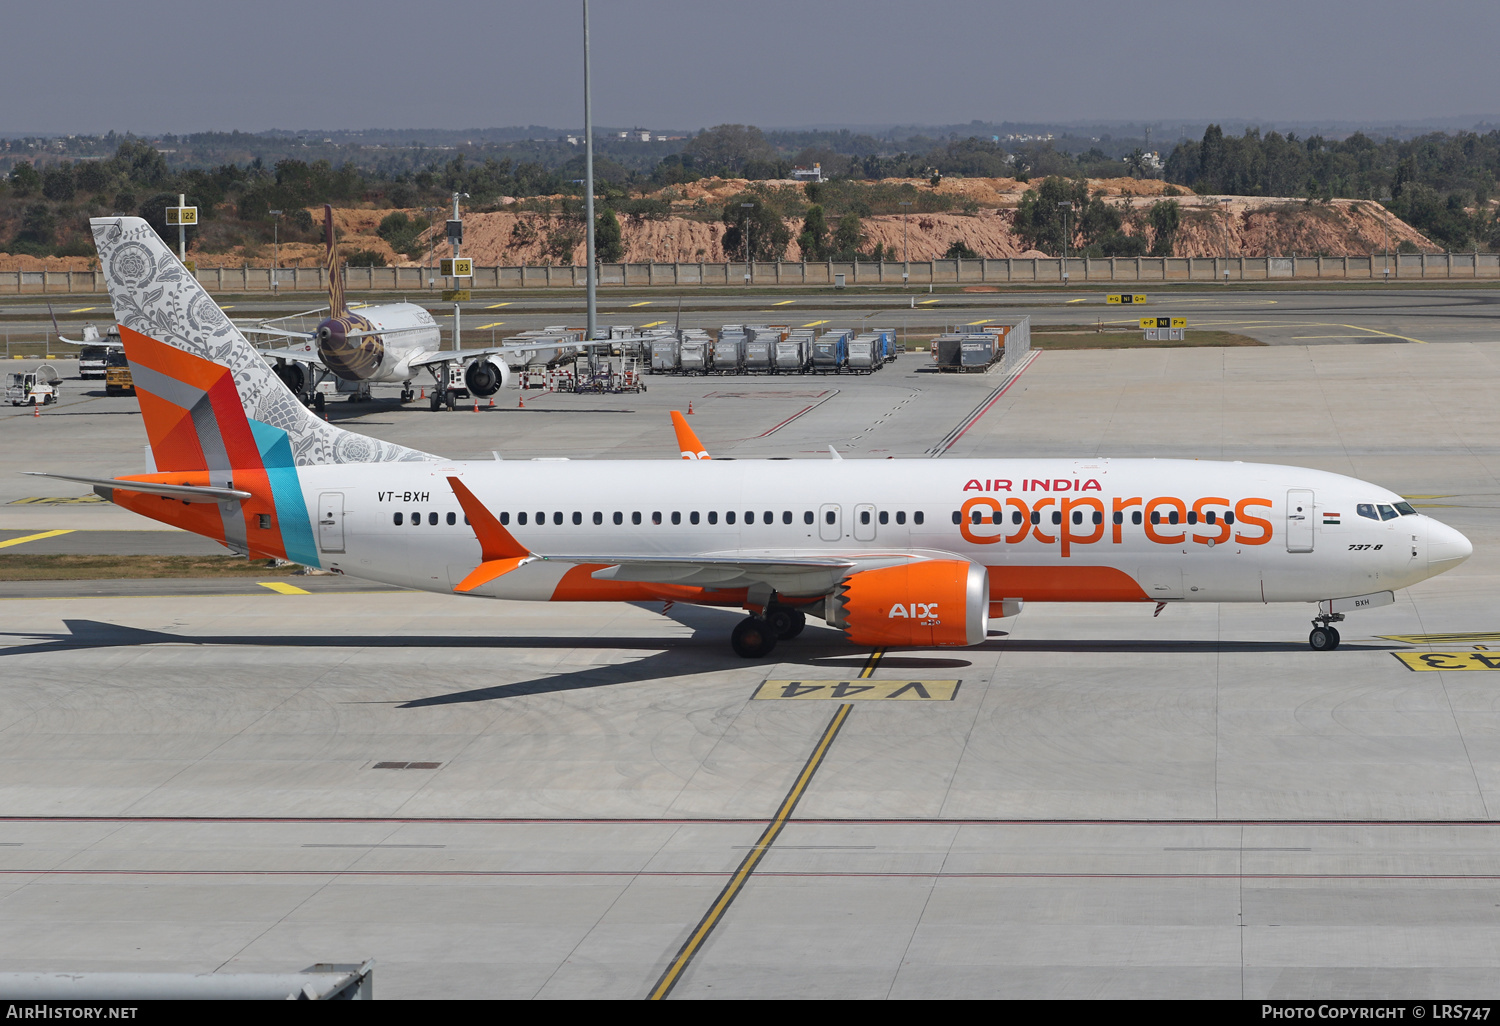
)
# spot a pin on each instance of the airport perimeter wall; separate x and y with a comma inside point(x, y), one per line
point(1015, 270)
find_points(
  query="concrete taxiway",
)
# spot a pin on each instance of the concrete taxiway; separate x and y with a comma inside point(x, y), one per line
point(1278, 315)
point(533, 801)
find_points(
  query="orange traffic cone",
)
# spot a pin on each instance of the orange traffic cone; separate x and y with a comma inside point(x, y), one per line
point(492, 402)
point(423, 395)
point(36, 410)
point(690, 407)
point(325, 414)
point(520, 402)
point(476, 405)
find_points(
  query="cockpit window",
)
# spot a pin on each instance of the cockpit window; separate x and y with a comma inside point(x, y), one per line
point(1387, 513)
point(1405, 509)
point(1367, 509)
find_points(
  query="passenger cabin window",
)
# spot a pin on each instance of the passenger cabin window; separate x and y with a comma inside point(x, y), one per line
point(676, 517)
point(693, 517)
point(416, 519)
point(520, 519)
point(1119, 517)
point(900, 516)
point(557, 519)
point(1098, 517)
point(452, 519)
point(432, 519)
point(635, 518)
point(713, 516)
point(958, 517)
point(397, 519)
point(504, 519)
point(916, 517)
point(1192, 516)
point(577, 518)
point(656, 517)
point(1367, 509)
point(1056, 517)
point(786, 516)
point(598, 518)
point(769, 518)
point(619, 518)
point(1155, 517)
point(885, 518)
point(1210, 518)
point(1228, 517)
point(729, 517)
point(1135, 518)
point(807, 517)
point(1016, 517)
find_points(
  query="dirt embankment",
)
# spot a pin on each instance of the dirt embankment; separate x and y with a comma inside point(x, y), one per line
point(1210, 226)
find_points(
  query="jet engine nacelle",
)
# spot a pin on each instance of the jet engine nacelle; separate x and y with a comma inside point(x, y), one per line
point(293, 376)
point(925, 604)
point(486, 376)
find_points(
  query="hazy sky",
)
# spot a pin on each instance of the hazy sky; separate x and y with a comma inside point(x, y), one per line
point(170, 65)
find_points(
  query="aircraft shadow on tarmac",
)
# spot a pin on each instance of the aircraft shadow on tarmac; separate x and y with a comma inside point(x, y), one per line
point(703, 652)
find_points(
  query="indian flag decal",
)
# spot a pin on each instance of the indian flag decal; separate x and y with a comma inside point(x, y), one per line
point(1331, 519)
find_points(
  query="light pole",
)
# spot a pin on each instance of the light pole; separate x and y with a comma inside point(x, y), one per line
point(905, 244)
point(588, 173)
point(1066, 206)
point(431, 248)
point(276, 253)
point(1386, 228)
point(1226, 201)
point(749, 238)
point(456, 239)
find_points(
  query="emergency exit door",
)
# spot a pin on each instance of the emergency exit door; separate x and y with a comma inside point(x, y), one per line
point(1299, 520)
point(331, 522)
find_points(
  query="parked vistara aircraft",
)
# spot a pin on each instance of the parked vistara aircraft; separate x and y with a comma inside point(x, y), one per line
point(392, 342)
point(895, 553)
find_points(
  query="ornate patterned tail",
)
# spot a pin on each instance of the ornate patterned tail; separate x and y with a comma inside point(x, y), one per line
point(159, 304)
point(336, 306)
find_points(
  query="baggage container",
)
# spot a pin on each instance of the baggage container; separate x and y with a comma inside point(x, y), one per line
point(695, 356)
point(977, 352)
point(831, 352)
point(791, 355)
point(759, 354)
point(728, 353)
point(862, 354)
point(665, 355)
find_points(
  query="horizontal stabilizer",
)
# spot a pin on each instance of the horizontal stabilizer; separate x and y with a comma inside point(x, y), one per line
point(185, 492)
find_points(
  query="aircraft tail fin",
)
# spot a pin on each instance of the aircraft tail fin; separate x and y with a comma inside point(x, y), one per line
point(209, 401)
point(336, 307)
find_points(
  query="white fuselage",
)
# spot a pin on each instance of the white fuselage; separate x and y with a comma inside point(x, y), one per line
point(1277, 533)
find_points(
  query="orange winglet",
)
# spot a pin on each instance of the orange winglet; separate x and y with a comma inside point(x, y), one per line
point(498, 548)
point(692, 449)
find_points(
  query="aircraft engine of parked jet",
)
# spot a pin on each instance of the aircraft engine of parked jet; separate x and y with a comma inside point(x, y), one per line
point(928, 603)
point(486, 376)
point(293, 376)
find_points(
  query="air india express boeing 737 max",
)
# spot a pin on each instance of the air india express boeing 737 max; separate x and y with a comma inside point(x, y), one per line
point(894, 553)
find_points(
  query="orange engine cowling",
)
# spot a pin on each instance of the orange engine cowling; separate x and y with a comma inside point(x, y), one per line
point(926, 604)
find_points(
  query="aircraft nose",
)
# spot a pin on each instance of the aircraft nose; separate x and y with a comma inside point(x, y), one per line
point(1446, 548)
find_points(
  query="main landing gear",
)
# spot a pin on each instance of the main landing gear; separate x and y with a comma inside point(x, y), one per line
point(1325, 636)
point(755, 636)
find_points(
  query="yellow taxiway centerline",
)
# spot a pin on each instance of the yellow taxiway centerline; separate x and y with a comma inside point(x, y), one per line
point(32, 538)
point(814, 324)
point(752, 859)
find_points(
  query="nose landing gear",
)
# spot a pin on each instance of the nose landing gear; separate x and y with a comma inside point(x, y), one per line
point(1325, 636)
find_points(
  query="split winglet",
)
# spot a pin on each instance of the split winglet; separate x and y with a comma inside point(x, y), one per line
point(498, 548)
point(687, 441)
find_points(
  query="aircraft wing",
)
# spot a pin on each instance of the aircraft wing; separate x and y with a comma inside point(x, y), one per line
point(460, 355)
point(260, 329)
point(106, 342)
point(311, 357)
